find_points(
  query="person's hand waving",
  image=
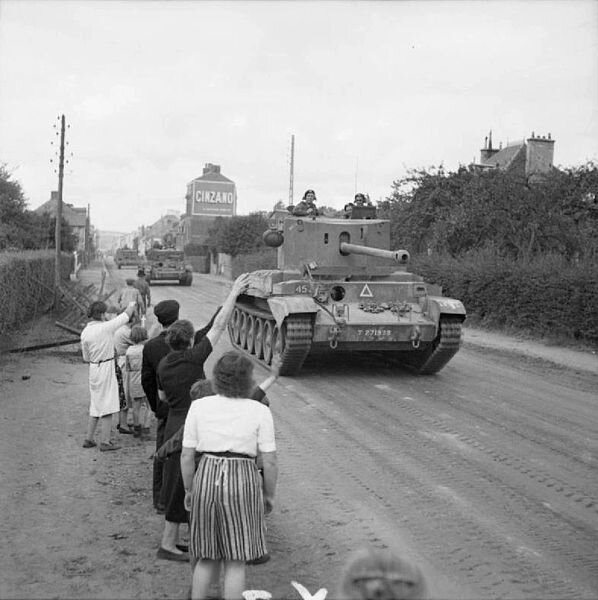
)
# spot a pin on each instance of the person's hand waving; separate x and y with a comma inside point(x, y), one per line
point(241, 284)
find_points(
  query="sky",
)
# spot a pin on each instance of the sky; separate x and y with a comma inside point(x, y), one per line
point(152, 91)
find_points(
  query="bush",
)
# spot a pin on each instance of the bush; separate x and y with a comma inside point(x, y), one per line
point(546, 296)
point(237, 235)
point(245, 263)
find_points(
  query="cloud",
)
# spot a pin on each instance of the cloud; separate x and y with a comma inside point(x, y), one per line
point(110, 102)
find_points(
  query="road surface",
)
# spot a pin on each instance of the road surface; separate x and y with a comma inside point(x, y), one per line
point(485, 474)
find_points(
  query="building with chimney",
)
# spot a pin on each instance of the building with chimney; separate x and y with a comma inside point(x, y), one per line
point(208, 196)
point(530, 158)
point(75, 216)
point(166, 231)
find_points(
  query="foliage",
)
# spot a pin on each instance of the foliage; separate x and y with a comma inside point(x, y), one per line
point(237, 235)
point(23, 229)
point(27, 285)
point(453, 213)
point(264, 258)
point(13, 219)
point(193, 249)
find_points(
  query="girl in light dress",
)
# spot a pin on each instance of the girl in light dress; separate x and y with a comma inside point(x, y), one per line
point(142, 414)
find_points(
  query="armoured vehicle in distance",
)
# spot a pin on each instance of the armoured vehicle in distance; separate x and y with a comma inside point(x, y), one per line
point(165, 263)
point(126, 257)
point(339, 287)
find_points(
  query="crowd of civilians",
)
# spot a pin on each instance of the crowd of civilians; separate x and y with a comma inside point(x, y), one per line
point(215, 466)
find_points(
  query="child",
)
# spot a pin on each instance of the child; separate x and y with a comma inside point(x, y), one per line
point(135, 393)
point(384, 575)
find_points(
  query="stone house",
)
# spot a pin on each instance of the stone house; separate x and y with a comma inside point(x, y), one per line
point(530, 158)
point(75, 216)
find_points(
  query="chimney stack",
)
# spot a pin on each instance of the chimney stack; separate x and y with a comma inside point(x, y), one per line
point(487, 151)
point(539, 154)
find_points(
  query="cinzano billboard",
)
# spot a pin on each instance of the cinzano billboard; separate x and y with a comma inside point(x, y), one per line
point(213, 198)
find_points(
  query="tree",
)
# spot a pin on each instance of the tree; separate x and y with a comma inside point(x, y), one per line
point(13, 219)
point(457, 212)
point(237, 235)
point(24, 229)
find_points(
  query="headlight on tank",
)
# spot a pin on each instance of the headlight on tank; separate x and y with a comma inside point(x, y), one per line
point(337, 293)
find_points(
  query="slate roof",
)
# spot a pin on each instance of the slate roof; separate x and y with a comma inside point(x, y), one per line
point(503, 158)
point(214, 177)
point(74, 216)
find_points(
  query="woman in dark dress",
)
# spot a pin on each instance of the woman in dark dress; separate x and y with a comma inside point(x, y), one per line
point(177, 372)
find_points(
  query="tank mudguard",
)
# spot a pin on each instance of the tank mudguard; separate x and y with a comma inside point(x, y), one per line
point(283, 307)
point(439, 305)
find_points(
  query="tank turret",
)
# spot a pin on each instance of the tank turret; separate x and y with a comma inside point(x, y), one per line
point(340, 287)
point(334, 246)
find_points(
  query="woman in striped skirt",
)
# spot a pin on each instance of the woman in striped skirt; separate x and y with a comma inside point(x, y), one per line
point(226, 495)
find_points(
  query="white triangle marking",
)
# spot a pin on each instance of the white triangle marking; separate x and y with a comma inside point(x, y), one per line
point(366, 292)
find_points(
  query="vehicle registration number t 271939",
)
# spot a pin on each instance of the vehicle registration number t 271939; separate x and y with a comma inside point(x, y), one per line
point(374, 333)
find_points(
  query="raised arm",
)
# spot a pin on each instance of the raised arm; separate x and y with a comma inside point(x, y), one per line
point(274, 374)
point(120, 320)
point(270, 467)
point(221, 321)
point(200, 333)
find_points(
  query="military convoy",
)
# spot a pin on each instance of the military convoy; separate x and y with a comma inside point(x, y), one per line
point(338, 287)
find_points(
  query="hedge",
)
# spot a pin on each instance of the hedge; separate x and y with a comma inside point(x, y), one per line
point(27, 285)
point(547, 297)
point(245, 263)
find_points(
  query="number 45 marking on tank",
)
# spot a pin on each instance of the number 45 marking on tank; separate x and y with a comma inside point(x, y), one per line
point(366, 292)
point(303, 289)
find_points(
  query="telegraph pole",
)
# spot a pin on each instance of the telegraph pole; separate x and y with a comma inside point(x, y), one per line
point(58, 231)
point(292, 170)
point(87, 240)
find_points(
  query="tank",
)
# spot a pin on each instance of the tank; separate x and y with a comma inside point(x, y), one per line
point(165, 263)
point(126, 257)
point(340, 288)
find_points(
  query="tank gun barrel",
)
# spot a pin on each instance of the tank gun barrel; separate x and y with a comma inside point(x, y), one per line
point(399, 256)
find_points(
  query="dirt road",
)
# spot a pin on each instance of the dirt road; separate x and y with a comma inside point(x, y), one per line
point(486, 474)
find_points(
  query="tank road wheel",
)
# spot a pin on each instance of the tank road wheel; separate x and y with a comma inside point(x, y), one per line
point(431, 359)
point(250, 327)
point(234, 329)
point(243, 331)
point(268, 341)
point(258, 337)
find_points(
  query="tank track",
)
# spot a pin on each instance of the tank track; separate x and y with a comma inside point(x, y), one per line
point(298, 333)
point(444, 347)
point(292, 344)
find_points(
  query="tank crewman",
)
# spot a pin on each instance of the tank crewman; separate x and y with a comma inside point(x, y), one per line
point(144, 289)
point(307, 206)
point(359, 200)
point(362, 200)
